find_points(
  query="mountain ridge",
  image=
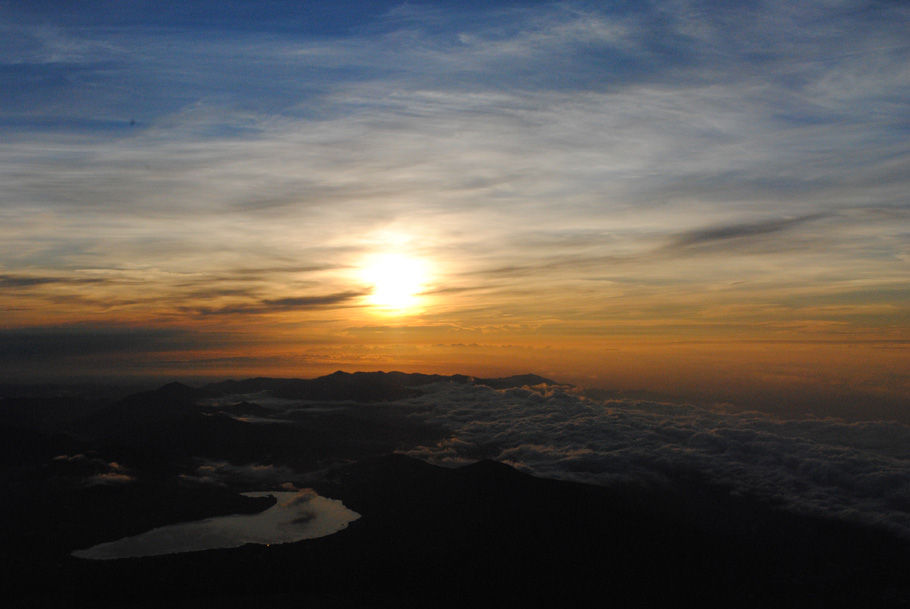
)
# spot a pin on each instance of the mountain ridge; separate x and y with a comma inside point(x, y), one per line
point(375, 386)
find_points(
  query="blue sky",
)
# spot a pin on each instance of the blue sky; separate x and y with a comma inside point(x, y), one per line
point(122, 61)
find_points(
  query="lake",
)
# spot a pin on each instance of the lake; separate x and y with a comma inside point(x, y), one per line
point(294, 517)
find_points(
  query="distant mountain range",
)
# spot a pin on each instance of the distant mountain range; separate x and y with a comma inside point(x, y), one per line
point(362, 386)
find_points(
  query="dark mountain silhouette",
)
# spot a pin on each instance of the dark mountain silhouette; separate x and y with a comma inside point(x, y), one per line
point(245, 408)
point(179, 424)
point(21, 446)
point(167, 407)
point(518, 380)
point(488, 535)
point(47, 413)
point(358, 387)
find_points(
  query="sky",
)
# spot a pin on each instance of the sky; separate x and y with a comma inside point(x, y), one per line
point(702, 199)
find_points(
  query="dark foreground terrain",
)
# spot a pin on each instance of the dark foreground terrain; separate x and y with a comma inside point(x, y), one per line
point(480, 535)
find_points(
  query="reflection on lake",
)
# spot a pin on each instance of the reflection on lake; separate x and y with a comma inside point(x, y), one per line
point(295, 516)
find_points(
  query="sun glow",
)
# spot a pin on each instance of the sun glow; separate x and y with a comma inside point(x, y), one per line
point(396, 280)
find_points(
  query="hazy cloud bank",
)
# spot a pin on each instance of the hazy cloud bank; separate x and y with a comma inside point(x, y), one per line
point(857, 471)
point(50, 343)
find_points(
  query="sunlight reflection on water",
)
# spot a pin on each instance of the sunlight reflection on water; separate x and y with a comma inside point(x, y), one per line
point(295, 516)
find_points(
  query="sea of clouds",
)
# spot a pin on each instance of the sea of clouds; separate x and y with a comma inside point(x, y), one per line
point(858, 471)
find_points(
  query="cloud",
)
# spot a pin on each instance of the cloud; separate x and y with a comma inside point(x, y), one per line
point(110, 478)
point(297, 303)
point(825, 466)
point(302, 302)
point(404, 330)
point(79, 457)
point(302, 497)
point(739, 231)
point(94, 471)
point(13, 281)
point(717, 240)
point(53, 343)
point(734, 235)
point(249, 476)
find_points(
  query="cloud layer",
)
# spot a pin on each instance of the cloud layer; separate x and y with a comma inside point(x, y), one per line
point(855, 471)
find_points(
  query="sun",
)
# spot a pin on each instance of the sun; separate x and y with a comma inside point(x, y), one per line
point(396, 280)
